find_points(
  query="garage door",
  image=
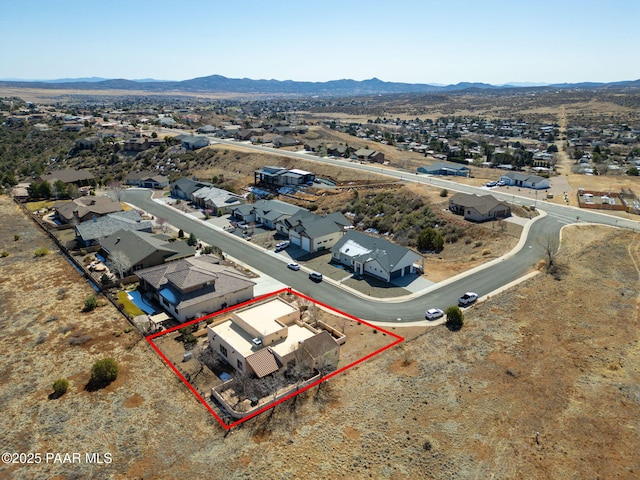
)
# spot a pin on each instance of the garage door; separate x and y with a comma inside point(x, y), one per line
point(306, 244)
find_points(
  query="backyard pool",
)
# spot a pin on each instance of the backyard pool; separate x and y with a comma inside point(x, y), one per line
point(142, 303)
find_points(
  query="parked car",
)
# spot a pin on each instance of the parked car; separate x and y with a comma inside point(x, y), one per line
point(293, 266)
point(315, 276)
point(491, 184)
point(282, 245)
point(467, 299)
point(433, 313)
point(500, 184)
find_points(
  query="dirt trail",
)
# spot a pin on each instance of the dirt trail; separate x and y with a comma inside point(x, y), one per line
point(564, 162)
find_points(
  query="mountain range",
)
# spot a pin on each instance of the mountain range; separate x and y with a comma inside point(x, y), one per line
point(346, 87)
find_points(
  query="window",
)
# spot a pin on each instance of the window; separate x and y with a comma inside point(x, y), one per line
point(223, 350)
point(240, 365)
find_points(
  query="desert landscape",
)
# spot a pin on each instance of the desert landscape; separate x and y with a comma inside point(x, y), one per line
point(542, 381)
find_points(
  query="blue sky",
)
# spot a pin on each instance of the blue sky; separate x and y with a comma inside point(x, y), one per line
point(446, 41)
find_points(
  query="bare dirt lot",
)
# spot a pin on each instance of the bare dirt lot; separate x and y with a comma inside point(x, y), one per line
point(556, 357)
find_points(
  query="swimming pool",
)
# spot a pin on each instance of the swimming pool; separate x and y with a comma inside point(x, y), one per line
point(143, 304)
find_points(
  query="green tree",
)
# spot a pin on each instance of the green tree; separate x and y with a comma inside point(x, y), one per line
point(180, 233)
point(192, 240)
point(633, 171)
point(552, 148)
point(40, 190)
point(90, 303)
point(430, 239)
point(59, 189)
point(103, 372)
point(60, 387)
point(455, 318)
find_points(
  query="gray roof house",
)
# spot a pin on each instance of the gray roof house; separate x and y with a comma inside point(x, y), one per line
point(69, 175)
point(142, 250)
point(184, 187)
point(267, 212)
point(375, 256)
point(191, 142)
point(193, 287)
point(146, 179)
point(280, 176)
point(478, 208)
point(312, 232)
point(368, 155)
point(446, 168)
point(88, 233)
point(525, 180)
point(216, 199)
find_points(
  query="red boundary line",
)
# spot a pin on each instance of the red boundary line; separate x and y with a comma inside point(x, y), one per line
point(269, 406)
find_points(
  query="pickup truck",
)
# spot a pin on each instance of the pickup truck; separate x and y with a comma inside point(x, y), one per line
point(467, 299)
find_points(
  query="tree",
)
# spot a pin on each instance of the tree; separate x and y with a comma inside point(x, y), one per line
point(192, 240)
point(180, 233)
point(552, 148)
point(549, 244)
point(40, 190)
point(455, 318)
point(105, 279)
point(60, 189)
point(430, 239)
point(633, 172)
point(60, 387)
point(163, 223)
point(90, 303)
point(115, 191)
point(103, 372)
point(120, 262)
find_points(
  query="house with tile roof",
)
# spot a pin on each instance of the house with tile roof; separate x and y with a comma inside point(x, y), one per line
point(85, 208)
point(143, 249)
point(90, 232)
point(192, 287)
point(478, 208)
point(69, 176)
point(375, 256)
point(262, 338)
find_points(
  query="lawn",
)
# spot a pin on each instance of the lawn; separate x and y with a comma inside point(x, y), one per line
point(34, 206)
point(129, 307)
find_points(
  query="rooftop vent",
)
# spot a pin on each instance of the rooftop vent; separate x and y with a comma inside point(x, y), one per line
point(257, 341)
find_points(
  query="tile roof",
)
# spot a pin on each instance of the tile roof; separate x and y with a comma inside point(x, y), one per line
point(88, 205)
point(482, 203)
point(263, 362)
point(68, 175)
point(104, 226)
point(320, 344)
point(138, 245)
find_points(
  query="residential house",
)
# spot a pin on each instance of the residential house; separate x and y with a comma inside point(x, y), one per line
point(184, 187)
point(281, 177)
point(367, 155)
point(69, 176)
point(192, 287)
point(281, 141)
point(219, 201)
point(525, 180)
point(446, 168)
point(375, 256)
point(85, 208)
point(147, 179)
point(191, 142)
point(90, 232)
point(140, 250)
point(207, 129)
point(337, 150)
point(478, 208)
point(312, 232)
point(262, 338)
point(267, 212)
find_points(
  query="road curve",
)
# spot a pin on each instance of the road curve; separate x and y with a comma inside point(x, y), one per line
point(483, 281)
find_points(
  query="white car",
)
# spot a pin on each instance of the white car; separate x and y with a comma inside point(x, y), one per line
point(433, 313)
point(282, 245)
point(293, 266)
point(467, 299)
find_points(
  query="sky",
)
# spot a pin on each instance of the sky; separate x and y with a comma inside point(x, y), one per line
point(412, 41)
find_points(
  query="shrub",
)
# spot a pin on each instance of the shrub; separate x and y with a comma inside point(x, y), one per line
point(5, 254)
point(192, 240)
point(90, 303)
point(41, 252)
point(105, 279)
point(455, 318)
point(486, 252)
point(103, 372)
point(60, 387)
point(444, 192)
point(180, 233)
point(16, 237)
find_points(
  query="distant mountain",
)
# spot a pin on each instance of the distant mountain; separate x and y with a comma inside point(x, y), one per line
point(344, 87)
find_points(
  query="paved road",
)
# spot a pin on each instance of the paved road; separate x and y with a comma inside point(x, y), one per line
point(483, 281)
